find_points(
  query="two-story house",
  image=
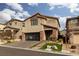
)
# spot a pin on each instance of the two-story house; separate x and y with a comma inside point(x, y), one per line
point(15, 26)
point(2, 26)
point(72, 28)
point(35, 28)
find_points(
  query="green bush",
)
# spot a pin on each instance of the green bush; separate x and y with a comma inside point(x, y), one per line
point(52, 44)
point(44, 46)
point(58, 46)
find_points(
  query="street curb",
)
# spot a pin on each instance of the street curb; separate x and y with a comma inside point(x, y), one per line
point(68, 54)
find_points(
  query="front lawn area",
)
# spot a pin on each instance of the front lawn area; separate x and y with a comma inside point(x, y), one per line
point(53, 46)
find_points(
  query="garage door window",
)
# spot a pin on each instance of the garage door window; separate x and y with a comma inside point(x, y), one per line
point(32, 36)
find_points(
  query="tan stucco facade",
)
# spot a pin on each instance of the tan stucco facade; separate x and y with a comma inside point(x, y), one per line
point(2, 26)
point(72, 30)
point(28, 28)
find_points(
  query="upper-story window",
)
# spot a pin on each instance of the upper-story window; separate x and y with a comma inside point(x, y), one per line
point(34, 21)
point(23, 24)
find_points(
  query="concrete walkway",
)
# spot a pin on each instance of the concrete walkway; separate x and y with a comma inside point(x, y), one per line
point(23, 44)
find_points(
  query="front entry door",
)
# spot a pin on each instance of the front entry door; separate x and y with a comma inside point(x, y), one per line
point(48, 34)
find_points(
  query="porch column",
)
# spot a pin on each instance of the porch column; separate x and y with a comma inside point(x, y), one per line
point(13, 35)
point(23, 37)
point(42, 36)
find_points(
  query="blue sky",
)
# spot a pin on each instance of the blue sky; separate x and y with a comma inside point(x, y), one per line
point(24, 10)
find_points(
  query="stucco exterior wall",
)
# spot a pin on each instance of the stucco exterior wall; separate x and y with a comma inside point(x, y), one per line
point(17, 25)
point(2, 26)
point(74, 39)
point(73, 30)
point(28, 28)
point(72, 24)
point(33, 28)
point(52, 22)
point(55, 33)
point(37, 28)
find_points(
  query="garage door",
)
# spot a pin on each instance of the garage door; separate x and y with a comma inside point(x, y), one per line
point(76, 39)
point(32, 36)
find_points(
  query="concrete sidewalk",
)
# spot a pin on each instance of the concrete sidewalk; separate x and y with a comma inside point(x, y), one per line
point(43, 51)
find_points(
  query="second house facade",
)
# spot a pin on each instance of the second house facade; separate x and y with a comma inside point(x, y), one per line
point(72, 26)
point(35, 28)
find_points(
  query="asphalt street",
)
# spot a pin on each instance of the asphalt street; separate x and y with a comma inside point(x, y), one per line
point(6, 51)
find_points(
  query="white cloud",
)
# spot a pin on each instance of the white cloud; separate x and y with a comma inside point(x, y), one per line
point(15, 12)
point(15, 6)
point(8, 11)
point(4, 16)
point(25, 13)
point(62, 21)
point(21, 15)
point(59, 5)
point(71, 6)
point(33, 4)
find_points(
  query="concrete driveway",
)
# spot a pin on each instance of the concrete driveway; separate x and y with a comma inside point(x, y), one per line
point(23, 44)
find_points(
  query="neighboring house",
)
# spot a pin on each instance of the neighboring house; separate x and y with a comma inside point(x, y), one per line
point(15, 26)
point(1, 30)
point(2, 27)
point(36, 28)
point(72, 26)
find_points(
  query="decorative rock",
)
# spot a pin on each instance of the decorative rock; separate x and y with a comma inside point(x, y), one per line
point(54, 46)
point(48, 48)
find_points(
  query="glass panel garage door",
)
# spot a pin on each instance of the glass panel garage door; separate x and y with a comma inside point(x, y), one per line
point(32, 36)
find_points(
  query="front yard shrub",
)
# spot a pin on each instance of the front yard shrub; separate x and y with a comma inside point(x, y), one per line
point(59, 46)
point(44, 46)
